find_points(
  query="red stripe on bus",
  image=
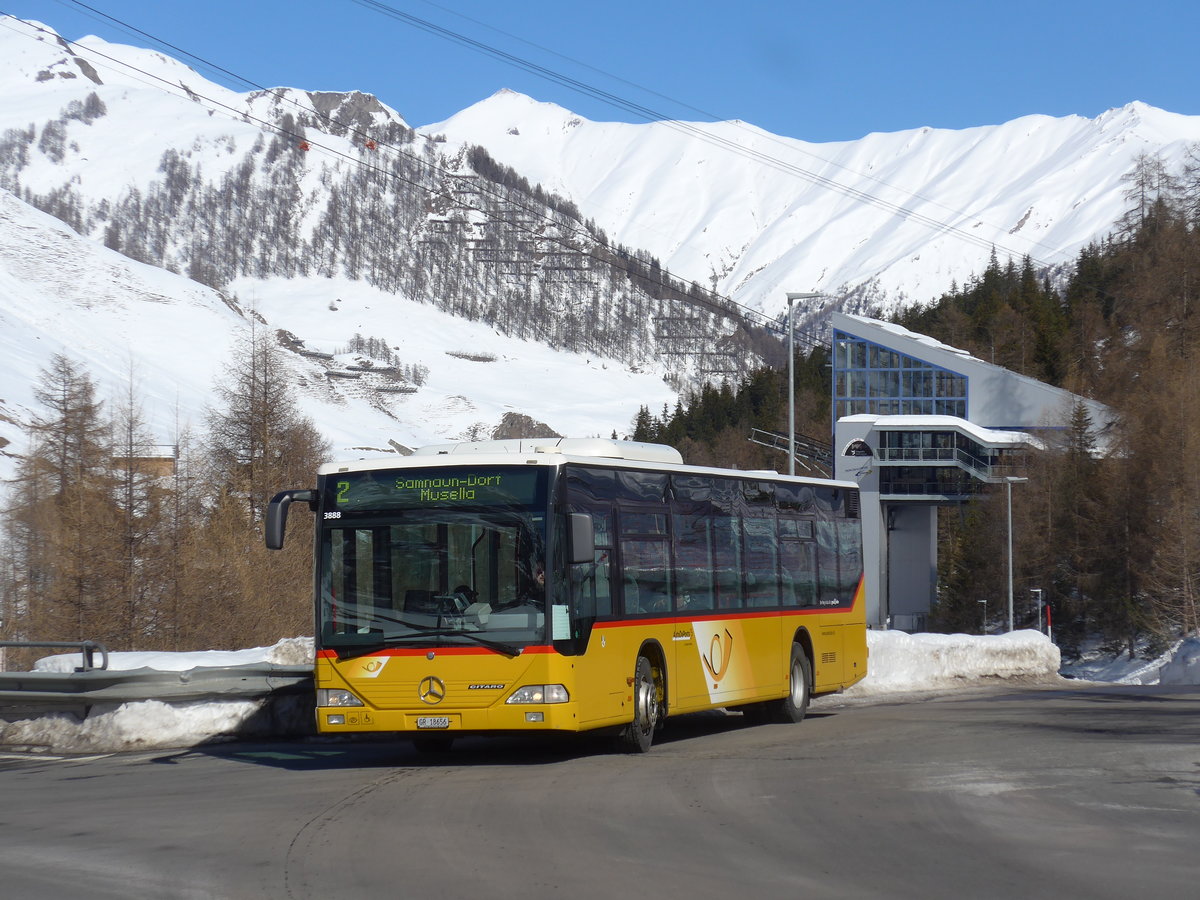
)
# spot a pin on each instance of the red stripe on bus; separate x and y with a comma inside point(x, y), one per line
point(718, 616)
point(440, 651)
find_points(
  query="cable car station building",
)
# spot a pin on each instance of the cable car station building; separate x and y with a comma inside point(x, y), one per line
point(918, 424)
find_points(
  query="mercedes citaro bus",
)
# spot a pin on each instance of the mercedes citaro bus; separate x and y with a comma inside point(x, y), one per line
point(574, 585)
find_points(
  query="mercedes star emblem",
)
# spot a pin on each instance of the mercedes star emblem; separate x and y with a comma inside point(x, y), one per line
point(432, 690)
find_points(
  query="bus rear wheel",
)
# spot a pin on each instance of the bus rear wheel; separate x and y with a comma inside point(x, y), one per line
point(638, 735)
point(792, 707)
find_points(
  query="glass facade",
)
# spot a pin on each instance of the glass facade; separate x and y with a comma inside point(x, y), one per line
point(871, 378)
point(950, 446)
point(920, 481)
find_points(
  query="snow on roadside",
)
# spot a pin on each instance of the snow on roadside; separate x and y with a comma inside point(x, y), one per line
point(1184, 665)
point(288, 652)
point(153, 724)
point(146, 725)
point(898, 663)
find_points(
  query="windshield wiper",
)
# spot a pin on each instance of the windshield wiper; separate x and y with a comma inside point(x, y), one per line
point(510, 650)
point(426, 631)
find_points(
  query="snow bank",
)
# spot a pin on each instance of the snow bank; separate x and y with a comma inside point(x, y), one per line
point(1184, 666)
point(150, 724)
point(917, 662)
point(288, 652)
point(153, 724)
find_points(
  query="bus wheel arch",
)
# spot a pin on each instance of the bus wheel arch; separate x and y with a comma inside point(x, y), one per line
point(804, 639)
point(649, 695)
point(792, 707)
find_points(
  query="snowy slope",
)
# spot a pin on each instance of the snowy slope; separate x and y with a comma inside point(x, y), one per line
point(61, 293)
point(755, 215)
point(40, 76)
point(728, 205)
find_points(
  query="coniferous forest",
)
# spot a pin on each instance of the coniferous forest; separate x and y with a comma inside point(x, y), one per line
point(1108, 525)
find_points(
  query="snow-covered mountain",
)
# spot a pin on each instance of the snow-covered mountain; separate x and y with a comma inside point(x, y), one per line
point(431, 282)
point(753, 215)
point(62, 293)
point(401, 327)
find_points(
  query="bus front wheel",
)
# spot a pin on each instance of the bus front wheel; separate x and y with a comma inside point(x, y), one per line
point(792, 707)
point(637, 736)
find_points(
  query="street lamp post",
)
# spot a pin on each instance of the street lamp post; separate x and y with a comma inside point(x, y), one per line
point(1009, 481)
point(792, 297)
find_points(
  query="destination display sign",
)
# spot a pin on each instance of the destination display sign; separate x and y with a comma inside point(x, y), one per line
point(434, 488)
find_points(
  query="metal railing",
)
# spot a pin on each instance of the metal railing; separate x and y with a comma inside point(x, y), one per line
point(971, 463)
point(810, 454)
point(87, 650)
point(35, 693)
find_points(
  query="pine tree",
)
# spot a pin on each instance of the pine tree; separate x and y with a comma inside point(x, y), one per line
point(61, 524)
point(141, 505)
point(258, 444)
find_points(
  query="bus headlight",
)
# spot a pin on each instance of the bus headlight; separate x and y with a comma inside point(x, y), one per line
point(336, 697)
point(540, 693)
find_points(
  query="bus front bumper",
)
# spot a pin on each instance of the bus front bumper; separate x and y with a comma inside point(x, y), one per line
point(511, 717)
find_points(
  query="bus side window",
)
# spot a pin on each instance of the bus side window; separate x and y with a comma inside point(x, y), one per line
point(850, 560)
point(827, 564)
point(602, 584)
point(588, 586)
point(645, 559)
point(798, 561)
point(727, 561)
point(693, 561)
point(647, 576)
point(761, 561)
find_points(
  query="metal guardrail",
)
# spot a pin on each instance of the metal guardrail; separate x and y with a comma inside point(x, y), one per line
point(33, 693)
point(87, 650)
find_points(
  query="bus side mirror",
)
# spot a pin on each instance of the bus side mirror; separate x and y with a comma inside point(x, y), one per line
point(581, 534)
point(277, 511)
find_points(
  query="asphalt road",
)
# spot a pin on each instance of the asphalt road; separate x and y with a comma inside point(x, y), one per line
point(1064, 792)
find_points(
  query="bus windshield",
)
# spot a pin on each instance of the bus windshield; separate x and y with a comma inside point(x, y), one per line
point(456, 561)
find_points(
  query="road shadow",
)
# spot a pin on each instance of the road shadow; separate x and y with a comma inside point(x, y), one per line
point(318, 753)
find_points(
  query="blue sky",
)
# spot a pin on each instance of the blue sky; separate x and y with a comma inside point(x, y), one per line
point(817, 71)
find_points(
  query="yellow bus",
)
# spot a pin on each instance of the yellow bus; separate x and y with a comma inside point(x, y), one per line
point(573, 585)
